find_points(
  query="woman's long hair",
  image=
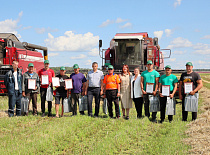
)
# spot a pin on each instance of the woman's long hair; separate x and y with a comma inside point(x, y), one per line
point(127, 69)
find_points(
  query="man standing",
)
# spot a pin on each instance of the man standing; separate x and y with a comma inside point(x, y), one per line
point(172, 81)
point(112, 90)
point(31, 93)
point(94, 87)
point(13, 83)
point(49, 73)
point(79, 83)
point(193, 77)
point(149, 76)
point(61, 92)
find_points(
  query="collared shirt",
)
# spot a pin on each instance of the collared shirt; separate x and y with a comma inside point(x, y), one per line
point(111, 81)
point(95, 78)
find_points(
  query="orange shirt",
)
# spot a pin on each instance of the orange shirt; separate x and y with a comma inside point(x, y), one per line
point(111, 81)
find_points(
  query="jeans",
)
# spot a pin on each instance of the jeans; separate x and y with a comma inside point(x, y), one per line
point(93, 91)
point(15, 99)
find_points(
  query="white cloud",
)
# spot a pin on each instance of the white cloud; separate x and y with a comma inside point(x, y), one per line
point(88, 62)
point(53, 54)
point(94, 52)
point(180, 43)
point(206, 37)
point(43, 30)
point(178, 52)
point(11, 26)
point(72, 42)
point(168, 32)
point(81, 56)
point(172, 59)
point(106, 23)
point(201, 48)
point(126, 25)
point(202, 62)
point(66, 64)
point(26, 28)
point(177, 3)
point(158, 34)
point(120, 20)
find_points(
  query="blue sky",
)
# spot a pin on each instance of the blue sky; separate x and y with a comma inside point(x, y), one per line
point(71, 29)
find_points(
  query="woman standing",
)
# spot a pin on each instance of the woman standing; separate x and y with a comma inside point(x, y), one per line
point(136, 93)
point(125, 87)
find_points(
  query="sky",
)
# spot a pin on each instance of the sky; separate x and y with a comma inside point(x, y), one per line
point(70, 29)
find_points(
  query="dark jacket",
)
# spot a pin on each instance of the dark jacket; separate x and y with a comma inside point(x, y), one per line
point(9, 81)
point(27, 76)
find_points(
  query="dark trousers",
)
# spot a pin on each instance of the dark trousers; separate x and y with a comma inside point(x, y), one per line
point(93, 91)
point(111, 95)
point(74, 102)
point(185, 113)
point(33, 97)
point(43, 92)
point(146, 107)
point(15, 99)
point(163, 101)
point(138, 104)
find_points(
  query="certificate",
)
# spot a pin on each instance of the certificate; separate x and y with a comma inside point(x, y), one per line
point(149, 88)
point(68, 84)
point(32, 84)
point(45, 79)
point(55, 81)
point(188, 87)
point(165, 90)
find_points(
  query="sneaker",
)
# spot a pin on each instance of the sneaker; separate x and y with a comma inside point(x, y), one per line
point(127, 117)
point(50, 114)
point(154, 120)
point(43, 114)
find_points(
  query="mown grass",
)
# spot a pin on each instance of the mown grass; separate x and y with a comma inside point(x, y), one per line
point(85, 135)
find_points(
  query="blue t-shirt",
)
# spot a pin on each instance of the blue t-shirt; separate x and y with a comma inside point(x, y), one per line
point(78, 80)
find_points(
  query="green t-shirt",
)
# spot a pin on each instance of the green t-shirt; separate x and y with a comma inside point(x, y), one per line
point(168, 80)
point(149, 77)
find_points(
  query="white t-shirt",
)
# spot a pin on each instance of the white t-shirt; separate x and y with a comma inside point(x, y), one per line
point(16, 82)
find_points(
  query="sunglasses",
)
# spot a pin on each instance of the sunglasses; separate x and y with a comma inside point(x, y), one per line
point(109, 69)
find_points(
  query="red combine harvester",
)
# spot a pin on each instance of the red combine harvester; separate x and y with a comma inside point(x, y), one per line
point(12, 49)
point(134, 50)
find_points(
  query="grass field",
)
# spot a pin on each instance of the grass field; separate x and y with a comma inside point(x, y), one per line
point(86, 135)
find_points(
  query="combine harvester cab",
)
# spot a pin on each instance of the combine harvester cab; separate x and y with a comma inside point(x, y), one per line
point(12, 49)
point(134, 50)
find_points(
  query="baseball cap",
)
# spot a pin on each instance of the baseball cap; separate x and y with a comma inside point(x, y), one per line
point(110, 67)
point(168, 66)
point(76, 66)
point(149, 62)
point(46, 62)
point(189, 63)
point(30, 65)
point(62, 68)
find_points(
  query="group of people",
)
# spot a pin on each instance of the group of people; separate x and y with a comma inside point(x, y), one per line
point(111, 86)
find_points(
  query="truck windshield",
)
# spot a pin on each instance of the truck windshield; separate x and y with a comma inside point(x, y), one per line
point(128, 52)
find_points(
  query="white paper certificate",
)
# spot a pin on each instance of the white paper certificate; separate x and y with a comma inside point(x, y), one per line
point(45, 79)
point(188, 87)
point(149, 88)
point(55, 81)
point(165, 90)
point(68, 84)
point(32, 84)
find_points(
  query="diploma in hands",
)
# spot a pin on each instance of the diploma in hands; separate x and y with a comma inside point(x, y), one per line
point(149, 88)
point(45, 79)
point(32, 84)
point(165, 90)
point(55, 81)
point(68, 84)
point(188, 87)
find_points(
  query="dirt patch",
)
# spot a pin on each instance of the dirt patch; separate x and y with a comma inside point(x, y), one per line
point(199, 130)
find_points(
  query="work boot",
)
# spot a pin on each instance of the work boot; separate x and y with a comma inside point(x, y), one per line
point(49, 114)
point(43, 114)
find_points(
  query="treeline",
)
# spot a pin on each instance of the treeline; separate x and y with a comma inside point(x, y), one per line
point(69, 70)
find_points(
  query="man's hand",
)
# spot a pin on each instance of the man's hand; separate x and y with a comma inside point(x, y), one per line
point(86, 92)
point(101, 93)
point(83, 93)
point(23, 94)
point(154, 93)
point(104, 96)
point(161, 95)
point(35, 88)
point(171, 95)
point(192, 93)
point(118, 94)
point(56, 86)
point(144, 92)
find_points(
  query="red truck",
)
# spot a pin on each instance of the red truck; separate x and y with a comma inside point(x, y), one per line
point(12, 49)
